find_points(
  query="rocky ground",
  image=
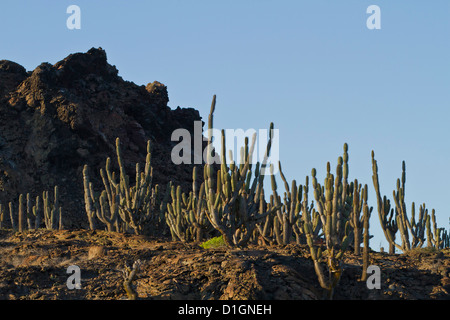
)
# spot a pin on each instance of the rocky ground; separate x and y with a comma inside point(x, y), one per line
point(34, 265)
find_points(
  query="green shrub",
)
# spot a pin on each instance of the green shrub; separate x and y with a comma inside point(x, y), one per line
point(216, 242)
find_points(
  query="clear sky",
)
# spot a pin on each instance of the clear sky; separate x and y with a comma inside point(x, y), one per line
point(311, 67)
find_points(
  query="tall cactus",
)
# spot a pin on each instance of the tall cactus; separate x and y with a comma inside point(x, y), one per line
point(36, 210)
point(139, 206)
point(356, 221)
point(186, 215)
point(386, 215)
point(108, 213)
point(445, 238)
point(265, 226)
point(89, 198)
point(11, 216)
point(406, 226)
point(287, 216)
point(400, 207)
point(314, 217)
point(52, 211)
point(232, 197)
point(21, 213)
point(366, 212)
point(2, 215)
point(435, 235)
point(418, 227)
point(337, 230)
point(29, 212)
point(197, 213)
point(412, 231)
point(32, 213)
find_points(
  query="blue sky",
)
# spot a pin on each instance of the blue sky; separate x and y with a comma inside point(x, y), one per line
point(311, 67)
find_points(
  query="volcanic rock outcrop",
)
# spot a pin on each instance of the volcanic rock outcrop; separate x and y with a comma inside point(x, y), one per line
point(59, 117)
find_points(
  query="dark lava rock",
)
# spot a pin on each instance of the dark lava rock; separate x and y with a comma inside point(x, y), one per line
point(59, 117)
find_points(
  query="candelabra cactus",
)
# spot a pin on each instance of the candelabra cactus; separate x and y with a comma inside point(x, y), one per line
point(139, 206)
point(52, 211)
point(314, 217)
point(445, 239)
point(135, 205)
point(29, 212)
point(332, 212)
point(186, 215)
point(11, 216)
point(108, 212)
point(232, 197)
point(89, 198)
point(175, 218)
point(414, 228)
point(36, 210)
point(21, 213)
point(287, 216)
point(356, 221)
point(400, 207)
point(336, 224)
point(197, 214)
point(418, 227)
point(386, 215)
point(265, 226)
point(436, 236)
point(26, 210)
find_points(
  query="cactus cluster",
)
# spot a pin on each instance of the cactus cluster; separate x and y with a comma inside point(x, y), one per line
point(413, 233)
point(340, 221)
point(233, 201)
point(122, 206)
point(186, 214)
point(233, 193)
point(29, 216)
point(230, 204)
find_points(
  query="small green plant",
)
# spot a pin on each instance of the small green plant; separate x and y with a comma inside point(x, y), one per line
point(216, 242)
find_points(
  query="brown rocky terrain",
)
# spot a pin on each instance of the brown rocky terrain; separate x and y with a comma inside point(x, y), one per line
point(34, 265)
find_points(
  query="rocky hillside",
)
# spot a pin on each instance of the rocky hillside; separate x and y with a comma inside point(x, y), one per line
point(57, 118)
point(34, 264)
